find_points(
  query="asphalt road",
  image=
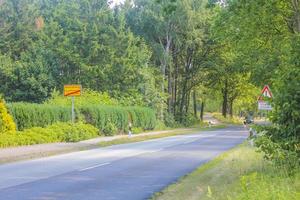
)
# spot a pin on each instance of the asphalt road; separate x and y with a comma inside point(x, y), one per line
point(129, 171)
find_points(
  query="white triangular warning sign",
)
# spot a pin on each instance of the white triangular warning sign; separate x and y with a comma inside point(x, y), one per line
point(266, 92)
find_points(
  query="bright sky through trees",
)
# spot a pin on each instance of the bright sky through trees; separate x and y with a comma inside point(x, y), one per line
point(116, 2)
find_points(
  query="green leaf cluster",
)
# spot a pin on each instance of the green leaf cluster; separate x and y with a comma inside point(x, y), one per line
point(59, 132)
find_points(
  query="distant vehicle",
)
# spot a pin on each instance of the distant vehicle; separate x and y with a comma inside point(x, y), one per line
point(249, 120)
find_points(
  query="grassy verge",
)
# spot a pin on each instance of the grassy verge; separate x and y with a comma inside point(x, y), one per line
point(240, 174)
point(228, 120)
point(156, 136)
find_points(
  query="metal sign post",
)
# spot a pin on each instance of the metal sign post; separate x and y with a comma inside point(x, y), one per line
point(73, 109)
point(72, 91)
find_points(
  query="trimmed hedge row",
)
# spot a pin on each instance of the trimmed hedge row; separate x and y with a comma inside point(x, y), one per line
point(38, 115)
point(142, 117)
point(58, 132)
point(105, 118)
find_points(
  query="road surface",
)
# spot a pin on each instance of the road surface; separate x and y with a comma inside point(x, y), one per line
point(128, 171)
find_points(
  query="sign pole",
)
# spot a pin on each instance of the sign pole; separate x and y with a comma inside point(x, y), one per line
point(72, 91)
point(73, 109)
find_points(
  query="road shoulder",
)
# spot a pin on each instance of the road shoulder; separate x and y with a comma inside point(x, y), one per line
point(14, 154)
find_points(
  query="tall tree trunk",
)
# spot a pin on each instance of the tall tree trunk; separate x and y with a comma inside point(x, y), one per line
point(296, 18)
point(170, 91)
point(195, 103)
point(231, 108)
point(225, 99)
point(175, 86)
point(202, 110)
point(183, 99)
point(165, 64)
point(188, 100)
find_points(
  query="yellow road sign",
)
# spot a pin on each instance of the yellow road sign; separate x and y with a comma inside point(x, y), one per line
point(72, 90)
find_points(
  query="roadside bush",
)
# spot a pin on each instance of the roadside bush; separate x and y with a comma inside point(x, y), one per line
point(283, 151)
point(107, 118)
point(189, 120)
point(74, 132)
point(103, 116)
point(110, 129)
point(59, 132)
point(144, 118)
point(170, 121)
point(6, 120)
point(38, 115)
point(136, 130)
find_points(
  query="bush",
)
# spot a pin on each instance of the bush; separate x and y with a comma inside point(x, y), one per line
point(144, 118)
point(136, 130)
point(88, 97)
point(103, 117)
point(189, 120)
point(6, 120)
point(59, 132)
point(110, 129)
point(170, 121)
point(283, 151)
point(38, 115)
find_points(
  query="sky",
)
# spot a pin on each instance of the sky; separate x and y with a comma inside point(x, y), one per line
point(115, 2)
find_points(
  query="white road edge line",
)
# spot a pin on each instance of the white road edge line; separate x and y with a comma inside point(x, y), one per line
point(92, 167)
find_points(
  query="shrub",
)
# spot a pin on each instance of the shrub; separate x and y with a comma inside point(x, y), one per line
point(6, 120)
point(189, 120)
point(102, 116)
point(136, 130)
point(38, 115)
point(105, 118)
point(170, 121)
point(59, 132)
point(88, 97)
point(142, 117)
point(110, 129)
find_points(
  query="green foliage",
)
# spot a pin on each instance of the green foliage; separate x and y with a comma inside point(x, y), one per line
point(189, 120)
point(106, 118)
point(142, 117)
point(59, 132)
point(103, 117)
point(137, 130)
point(228, 120)
point(6, 121)
point(284, 151)
point(110, 129)
point(88, 97)
point(28, 115)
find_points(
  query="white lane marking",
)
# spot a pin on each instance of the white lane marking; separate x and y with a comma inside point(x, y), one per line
point(93, 167)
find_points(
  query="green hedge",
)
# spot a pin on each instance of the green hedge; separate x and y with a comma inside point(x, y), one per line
point(105, 118)
point(142, 117)
point(58, 132)
point(101, 116)
point(38, 115)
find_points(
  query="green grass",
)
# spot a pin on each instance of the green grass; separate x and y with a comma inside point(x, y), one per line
point(228, 120)
point(240, 174)
point(150, 137)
